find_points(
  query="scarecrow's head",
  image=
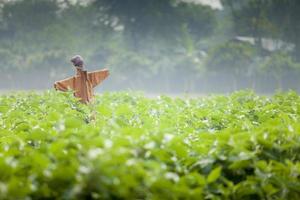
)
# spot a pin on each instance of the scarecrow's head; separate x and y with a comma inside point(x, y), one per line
point(77, 61)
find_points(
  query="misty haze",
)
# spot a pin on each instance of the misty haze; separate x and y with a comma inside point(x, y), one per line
point(169, 46)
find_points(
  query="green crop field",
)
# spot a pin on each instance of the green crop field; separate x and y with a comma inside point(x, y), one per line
point(127, 146)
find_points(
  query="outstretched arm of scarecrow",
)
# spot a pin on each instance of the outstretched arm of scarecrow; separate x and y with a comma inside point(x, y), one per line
point(65, 85)
point(97, 77)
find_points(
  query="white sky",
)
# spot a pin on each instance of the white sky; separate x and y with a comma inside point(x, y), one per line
point(216, 4)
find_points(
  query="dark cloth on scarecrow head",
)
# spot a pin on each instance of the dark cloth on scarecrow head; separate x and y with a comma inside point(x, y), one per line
point(77, 61)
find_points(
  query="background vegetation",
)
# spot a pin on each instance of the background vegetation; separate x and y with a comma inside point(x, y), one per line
point(154, 45)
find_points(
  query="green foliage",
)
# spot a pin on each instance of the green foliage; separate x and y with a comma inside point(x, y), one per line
point(152, 41)
point(21, 15)
point(231, 55)
point(145, 21)
point(126, 146)
point(278, 64)
point(124, 34)
point(273, 19)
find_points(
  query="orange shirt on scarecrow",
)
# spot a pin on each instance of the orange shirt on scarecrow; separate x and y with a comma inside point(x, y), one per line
point(83, 82)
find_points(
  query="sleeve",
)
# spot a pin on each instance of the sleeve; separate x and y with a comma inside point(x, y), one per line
point(65, 85)
point(97, 77)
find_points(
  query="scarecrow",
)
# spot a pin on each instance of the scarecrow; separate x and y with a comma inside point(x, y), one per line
point(83, 82)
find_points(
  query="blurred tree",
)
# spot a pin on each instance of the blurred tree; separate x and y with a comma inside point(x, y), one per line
point(28, 16)
point(278, 65)
point(154, 28)
point(39, 34)
point(251, 19)
point(146, 21)
point(158, 39)
point(22, 22)
point(276, 19)
point(285, 15)
point(233, 58)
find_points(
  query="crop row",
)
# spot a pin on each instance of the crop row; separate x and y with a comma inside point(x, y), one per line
point(127, 146)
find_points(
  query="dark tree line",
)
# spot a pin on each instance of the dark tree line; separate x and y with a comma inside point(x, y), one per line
point(178, 45)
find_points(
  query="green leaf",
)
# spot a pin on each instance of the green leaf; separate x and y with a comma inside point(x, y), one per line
point(214, 175)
